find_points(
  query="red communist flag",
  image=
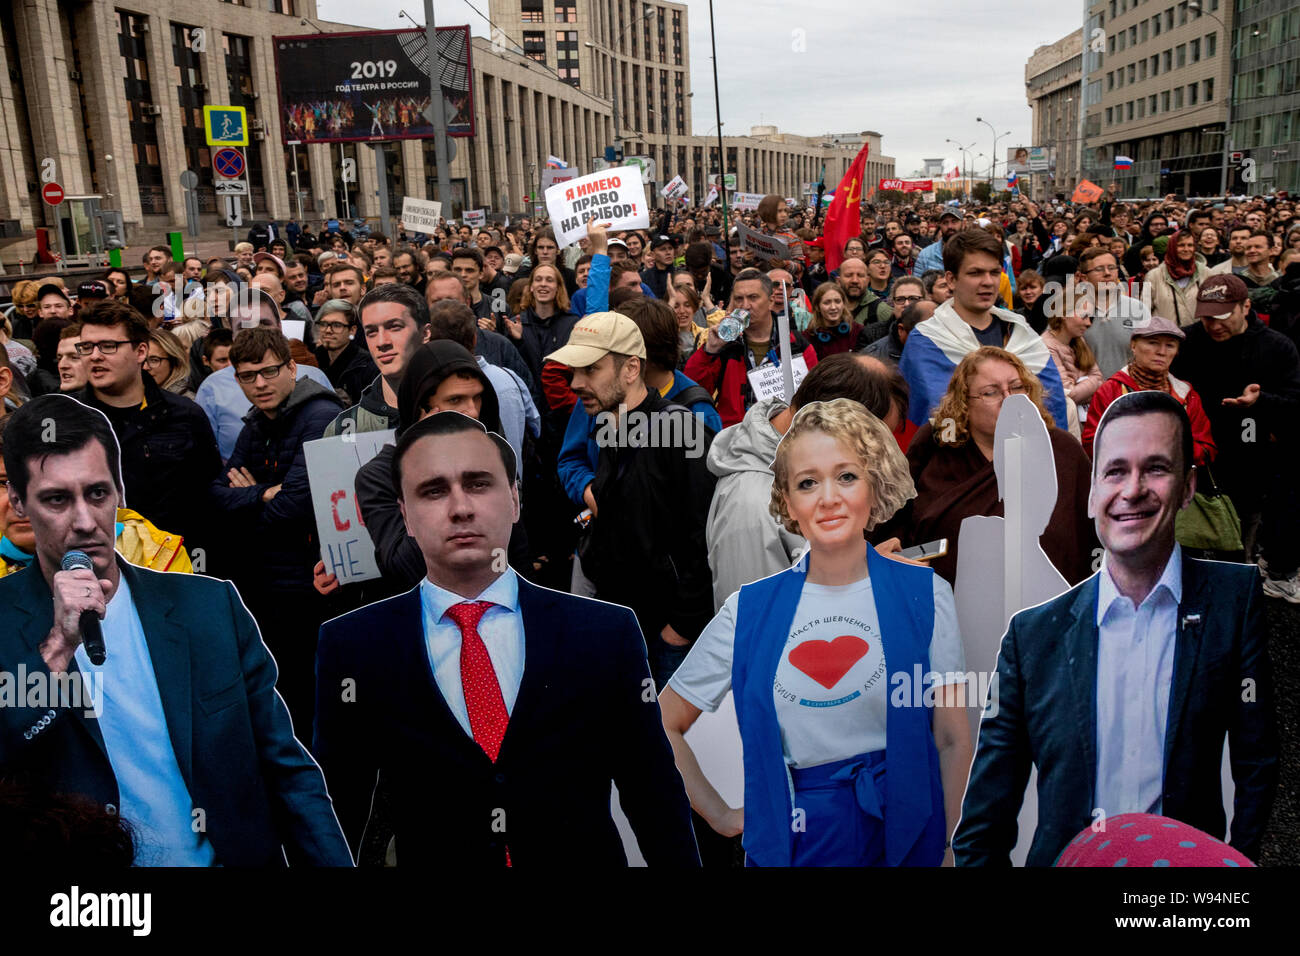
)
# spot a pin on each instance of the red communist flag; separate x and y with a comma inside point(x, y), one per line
point(843, 220)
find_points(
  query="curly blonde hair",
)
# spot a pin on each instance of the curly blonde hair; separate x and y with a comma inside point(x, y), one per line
point(870, 439)
point(955, 406)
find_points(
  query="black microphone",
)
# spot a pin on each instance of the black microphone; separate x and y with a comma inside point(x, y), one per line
point(92, 635)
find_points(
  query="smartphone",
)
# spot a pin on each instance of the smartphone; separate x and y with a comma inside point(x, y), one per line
point(926, 552)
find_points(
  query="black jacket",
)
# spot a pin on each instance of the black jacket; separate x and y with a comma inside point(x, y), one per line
point(657, 279)
point(646, 547)
point(169, 458)
point(580, 722)
point(352, 371)
point(1046, 716)
point(1219, 370)
point(276, 540)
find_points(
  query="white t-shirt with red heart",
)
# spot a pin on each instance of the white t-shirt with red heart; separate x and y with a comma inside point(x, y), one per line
point(832, 689)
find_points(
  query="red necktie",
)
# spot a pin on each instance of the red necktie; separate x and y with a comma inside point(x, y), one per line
point(483, 700)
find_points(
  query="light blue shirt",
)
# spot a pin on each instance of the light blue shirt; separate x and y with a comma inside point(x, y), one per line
point(225, 403)
point(931, 257)
point(1135, 668)
point(502, 630)
point(518, 410)
point(152, 794)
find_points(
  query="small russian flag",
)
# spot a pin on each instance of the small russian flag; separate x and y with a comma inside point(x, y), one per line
point(1013, 179)
point(1123, 162)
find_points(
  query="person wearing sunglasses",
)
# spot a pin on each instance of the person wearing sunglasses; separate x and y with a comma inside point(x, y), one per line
point(264, 501)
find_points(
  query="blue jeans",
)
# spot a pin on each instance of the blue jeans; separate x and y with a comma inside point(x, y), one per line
point(665, 658)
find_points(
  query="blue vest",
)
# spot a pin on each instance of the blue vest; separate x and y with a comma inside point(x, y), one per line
point(914, 812)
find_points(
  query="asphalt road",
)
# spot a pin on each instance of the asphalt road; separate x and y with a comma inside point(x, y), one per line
point(1281, 846)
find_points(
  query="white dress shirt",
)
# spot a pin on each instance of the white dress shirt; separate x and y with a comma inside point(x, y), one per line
point(1135, 668)
point(502, 630)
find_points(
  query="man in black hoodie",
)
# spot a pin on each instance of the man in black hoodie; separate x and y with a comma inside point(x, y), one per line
point(265, 501)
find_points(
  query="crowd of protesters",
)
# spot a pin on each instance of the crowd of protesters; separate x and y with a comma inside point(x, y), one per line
point(215, 374)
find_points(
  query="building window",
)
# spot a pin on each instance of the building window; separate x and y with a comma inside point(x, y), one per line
point(1193, 91)
point(1143, 26)
point(530, 11)
point(1132, 35)
point(1110, 115)
point(1155, 65)
point(1169, 19)
point(1182, 13)
point(132, 45)
point(663, 40)
point(279, 6)
point(1155, 25)
point(1196, 50)
point(1211, 44)
point(1151, 104)
point(1141, 108)
point(566, 11)
point(1129, 110)
point(1164, 102)
point(1209, 90)
point(1132, 72)
point(1178, 98)
point(535, 45)
point(566, 55)
point(1142, 70)
point(1180, 54)
point(1167, 63)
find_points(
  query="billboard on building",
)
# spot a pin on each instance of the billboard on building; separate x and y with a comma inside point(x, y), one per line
point(372, 85)
point(1031, 159)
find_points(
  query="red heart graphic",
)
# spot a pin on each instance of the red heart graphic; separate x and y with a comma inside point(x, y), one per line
point(827, 662)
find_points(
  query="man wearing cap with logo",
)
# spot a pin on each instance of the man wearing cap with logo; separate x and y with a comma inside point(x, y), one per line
point(645, 547)
point(1248, 377)
point(931, 257)
point(658, 276)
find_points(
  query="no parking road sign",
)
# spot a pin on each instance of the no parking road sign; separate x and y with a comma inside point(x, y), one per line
point(228, 163)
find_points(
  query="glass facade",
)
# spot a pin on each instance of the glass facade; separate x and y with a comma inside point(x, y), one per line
point(131, 44)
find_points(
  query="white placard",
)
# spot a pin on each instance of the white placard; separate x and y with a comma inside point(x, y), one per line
point(293, 328)
point(744, 201)
point(761, 244)
point(553, 177)
point(675, 189)
point(476, 218)
point(614, 196)
point(332, 466)
point(420, 215)
point(768, 381)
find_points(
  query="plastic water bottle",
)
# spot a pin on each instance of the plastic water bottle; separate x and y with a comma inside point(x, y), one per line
point(732, 325)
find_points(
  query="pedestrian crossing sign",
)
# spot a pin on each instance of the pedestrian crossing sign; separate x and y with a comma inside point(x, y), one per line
point(225, 125)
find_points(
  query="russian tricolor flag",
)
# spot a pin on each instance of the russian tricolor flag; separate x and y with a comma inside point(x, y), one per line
point(1123, 162)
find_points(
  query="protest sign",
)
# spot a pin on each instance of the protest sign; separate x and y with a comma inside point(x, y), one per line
point(332, 466)
point(475, 218)
point(744, 201)
point(615, 196)
point(768, 381)
point(908, 185)
point(676, 188)
point(552, 177)
point(761, 244)
point(1087, 192)
point(420, 215)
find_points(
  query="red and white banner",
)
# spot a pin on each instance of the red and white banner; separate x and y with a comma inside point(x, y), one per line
point(908, 185)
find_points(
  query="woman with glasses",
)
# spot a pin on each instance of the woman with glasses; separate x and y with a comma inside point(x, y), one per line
point(23, 313)
point(832, 328)
point(168, 363)
point(951, 459)
point(1207, 247)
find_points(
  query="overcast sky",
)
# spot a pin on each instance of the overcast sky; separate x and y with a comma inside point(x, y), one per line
point(917, 71)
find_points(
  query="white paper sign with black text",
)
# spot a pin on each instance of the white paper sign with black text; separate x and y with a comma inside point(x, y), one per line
point(614, 196)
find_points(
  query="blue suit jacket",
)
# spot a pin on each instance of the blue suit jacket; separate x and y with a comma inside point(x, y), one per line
point(586, 715)
point(1047, 716)
point(258, 786)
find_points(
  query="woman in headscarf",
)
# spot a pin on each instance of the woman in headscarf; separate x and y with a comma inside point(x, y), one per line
point(1171, 287)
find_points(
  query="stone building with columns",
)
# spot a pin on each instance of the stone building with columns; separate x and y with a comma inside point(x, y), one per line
point(85, 80)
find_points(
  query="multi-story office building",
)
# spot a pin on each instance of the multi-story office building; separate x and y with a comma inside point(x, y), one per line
point(1266, 92)
point(1052, 87)
point(1158, 94)
point(107, 97)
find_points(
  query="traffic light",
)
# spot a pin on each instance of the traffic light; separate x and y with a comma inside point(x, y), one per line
point(113, 230)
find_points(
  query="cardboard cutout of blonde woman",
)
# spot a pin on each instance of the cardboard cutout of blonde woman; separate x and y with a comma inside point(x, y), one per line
point(1002, 568)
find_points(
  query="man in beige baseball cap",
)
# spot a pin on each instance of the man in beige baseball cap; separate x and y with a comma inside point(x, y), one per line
point(645, 548)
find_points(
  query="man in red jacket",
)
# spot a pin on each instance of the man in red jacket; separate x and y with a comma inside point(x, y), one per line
point(727, 369)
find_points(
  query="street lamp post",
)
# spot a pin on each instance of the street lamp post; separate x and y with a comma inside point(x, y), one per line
point(965, 171)
point(993, 170)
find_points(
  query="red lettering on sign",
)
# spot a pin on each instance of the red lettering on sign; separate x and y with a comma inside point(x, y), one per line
point(339, 523)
